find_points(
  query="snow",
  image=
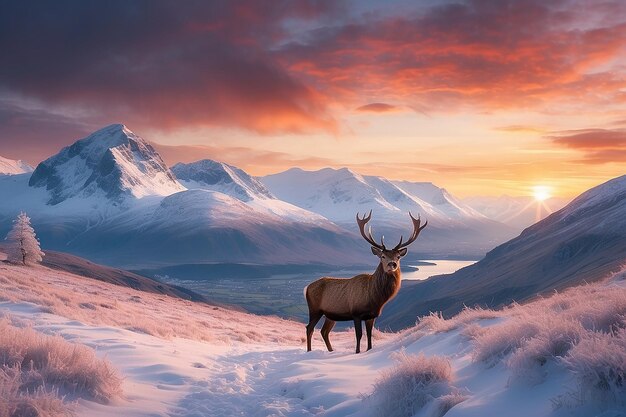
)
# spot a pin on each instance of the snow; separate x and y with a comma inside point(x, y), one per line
point(12, 167)
point(236, 183)
point(339, 193)
point(218, 176)
point(112, 162)
point(263, 376)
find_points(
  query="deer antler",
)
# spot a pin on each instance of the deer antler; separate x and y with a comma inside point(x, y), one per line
point(416, 231)
point(368, 236)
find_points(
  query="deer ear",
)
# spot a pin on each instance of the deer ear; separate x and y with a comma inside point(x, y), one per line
point(402, 252)
point(377, 251)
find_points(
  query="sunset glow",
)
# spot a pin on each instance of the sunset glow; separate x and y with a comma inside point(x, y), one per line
point(541, 192)
point(482, 98)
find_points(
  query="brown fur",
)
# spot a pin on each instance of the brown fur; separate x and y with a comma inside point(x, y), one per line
point(360, 298)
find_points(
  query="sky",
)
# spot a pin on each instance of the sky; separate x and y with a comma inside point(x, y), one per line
point(480, 97)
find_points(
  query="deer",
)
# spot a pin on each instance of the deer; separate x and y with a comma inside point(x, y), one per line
point(362, 297)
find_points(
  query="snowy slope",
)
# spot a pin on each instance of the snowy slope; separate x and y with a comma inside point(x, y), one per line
point(218, 176)
point(440, 199)
point(583, 241)
point(339, 194)
point(200, 226)
point(12, 167)
point(518, 212)
point(551, 358)
point(235, 182)
point(112, 161)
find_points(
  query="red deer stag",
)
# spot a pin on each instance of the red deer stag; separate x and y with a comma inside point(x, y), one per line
point(360, 298)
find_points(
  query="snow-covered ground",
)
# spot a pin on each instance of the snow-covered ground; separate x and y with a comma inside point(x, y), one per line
point(179, 358)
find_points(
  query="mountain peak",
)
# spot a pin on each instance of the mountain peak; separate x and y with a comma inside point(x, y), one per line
point(219, 176)
point(113, 161)
point(13, 167)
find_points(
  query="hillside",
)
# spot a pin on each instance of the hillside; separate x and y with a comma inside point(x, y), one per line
point(79, 266)
point(181, 358)
point(582, 242)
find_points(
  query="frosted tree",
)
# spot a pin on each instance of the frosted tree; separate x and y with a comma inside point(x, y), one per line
point(23, 246)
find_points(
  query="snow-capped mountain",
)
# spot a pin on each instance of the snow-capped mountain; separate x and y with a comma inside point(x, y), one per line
point(517, 212)
point(585, 240)
point(112, 161)
point(91, 199)
point(440, 199)
point(234, 182)
point(338, 194)
point(218, 176)
point(202, 226)
point(13, 167)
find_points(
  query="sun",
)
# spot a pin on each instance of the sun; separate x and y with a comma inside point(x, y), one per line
point(541, 192)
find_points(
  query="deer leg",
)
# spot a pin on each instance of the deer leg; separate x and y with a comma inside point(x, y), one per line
point(326, 328)
point(358, 329)
point(313, 319)
point(369, 324)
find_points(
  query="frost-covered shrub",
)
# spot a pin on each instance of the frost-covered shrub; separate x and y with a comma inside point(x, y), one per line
point(32, 362)
point(413, 382)
point(554, 339)
point(498, 341)
point(435, 322)
point(599, 363)
point(14, 402)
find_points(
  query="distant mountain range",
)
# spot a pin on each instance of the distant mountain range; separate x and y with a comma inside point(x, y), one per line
point(455, 229)
point(517, 212)
point(584, 241)
point(12, 167)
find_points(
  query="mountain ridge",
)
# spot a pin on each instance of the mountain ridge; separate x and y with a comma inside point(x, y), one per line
point(581, 242)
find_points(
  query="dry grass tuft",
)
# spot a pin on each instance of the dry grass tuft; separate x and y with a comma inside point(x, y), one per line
point(37, 369)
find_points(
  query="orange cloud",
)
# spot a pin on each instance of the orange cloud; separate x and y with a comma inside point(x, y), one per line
point(377, 108)
point(599, 145)
point(521, 54)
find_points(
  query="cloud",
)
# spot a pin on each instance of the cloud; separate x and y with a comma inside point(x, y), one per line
point(252, 160)
point(377, 108)
point(494, 54)
point(521, 129)
point(591, 138)
point(600, 146)
point(604, 156)
point(34, 135)
point(161, 63)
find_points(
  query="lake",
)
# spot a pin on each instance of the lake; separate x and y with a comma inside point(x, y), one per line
point(428, 268)
point(281, 294)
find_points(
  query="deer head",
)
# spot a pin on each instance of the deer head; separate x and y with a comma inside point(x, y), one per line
point(389, 258)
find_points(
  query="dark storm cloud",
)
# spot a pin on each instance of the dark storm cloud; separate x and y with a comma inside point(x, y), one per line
point(161, 62)
point(34, 135)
